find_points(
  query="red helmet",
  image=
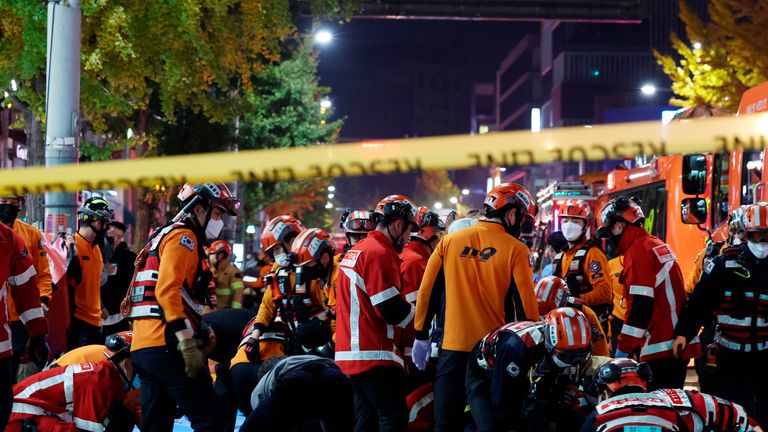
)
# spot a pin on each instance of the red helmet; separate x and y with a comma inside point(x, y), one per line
point(510, 194)
point(310, 245)
point(430, 225)
point(624, 209)
point(395, 207)
point(216, 194)
point(756, 217)
point(622, 372)
point(278, 230)
point(357, 222)
point(576, 208)
point(568, 337)
point(551, 293)
point(118, 345)
point(220, 246)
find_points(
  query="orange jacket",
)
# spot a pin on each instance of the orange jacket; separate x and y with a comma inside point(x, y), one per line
point(84, 280)
point(599, 341)
point(229, 287)
point(34, 241)
point(615, 266)
point(594, 269)
point(487, 279)
point(178, 267)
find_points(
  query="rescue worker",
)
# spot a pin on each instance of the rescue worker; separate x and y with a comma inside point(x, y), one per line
point(171, 288)
point(583, 265)
point(714, 248)
point(356, 226)
point(301, 393)
point(84, 272)
point(552, 293)
point(17, 274)
point(371, 312)
point(75, 397)
point(253, 280)
point(618, 313)
point(10, 206)
point(484, 275)
point(229, 281)
point(122, 417)
point(654, 293)
point(292, 318)
point(626, 405)
point(733, 292)
point(522, 359)
point(277, 238)
point(119, 280)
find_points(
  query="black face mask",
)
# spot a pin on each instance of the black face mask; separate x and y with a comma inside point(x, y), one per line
point(8, 213)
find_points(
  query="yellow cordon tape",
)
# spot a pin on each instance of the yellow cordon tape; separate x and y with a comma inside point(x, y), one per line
point(616, 141)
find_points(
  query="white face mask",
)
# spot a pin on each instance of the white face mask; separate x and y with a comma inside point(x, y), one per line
point(213, 229)
point(571, 231)
point(282, 259)
point(759, 250)
point(736, 241)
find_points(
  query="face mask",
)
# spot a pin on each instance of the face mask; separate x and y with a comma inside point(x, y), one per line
point(213, 228)
point(282, 259)
point(736, 241)
point(571, 231)
point(8, 213)
point(759, 250)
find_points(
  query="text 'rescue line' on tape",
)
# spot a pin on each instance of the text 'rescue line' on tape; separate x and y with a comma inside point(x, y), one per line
point(617, 141)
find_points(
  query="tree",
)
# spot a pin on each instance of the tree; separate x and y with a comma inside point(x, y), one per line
point(285, 111)
point(433, 186)
point(726, 55)
point(143, 63)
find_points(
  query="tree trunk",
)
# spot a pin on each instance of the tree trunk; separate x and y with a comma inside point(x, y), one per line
point(35, 203)
point(142, 224)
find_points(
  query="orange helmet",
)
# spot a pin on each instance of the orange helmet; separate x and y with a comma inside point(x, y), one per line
point(624, 209)
point(310, 245)
point(756, 217)
point(622, 372)
point(395, 207)
point(568, 337)
point(215, 194)
point(220, 246)
point(118, 345)
point(357, 222)
point(430, 225)
point(551, 293)
point(576, 208)
point(278, 230)
point(510, 194)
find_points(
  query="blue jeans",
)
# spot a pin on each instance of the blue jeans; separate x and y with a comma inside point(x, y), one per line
point(164, 386)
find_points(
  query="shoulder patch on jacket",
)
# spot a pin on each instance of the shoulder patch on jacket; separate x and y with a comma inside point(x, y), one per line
point(350, 258)
point(187, 242)
point(595, 266)
point(664, 253)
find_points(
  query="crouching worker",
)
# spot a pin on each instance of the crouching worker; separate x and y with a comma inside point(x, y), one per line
point(301, 393)
point(73, 398)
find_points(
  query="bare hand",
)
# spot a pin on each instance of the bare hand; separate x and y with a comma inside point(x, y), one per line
point(678, 346)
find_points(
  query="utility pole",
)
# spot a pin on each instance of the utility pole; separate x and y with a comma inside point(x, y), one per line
point(62, 106)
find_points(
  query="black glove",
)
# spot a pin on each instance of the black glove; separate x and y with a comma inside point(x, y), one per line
point(252, 349)
point(39, 351)
point(311, 334)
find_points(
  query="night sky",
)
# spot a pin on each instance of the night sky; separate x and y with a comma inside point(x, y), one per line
point(369, 67)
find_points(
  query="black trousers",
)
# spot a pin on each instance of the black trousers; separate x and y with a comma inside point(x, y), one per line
point(741, 378)
point(450, 391)
point(245, 376)
point(380, 400)
point(6, 391)
point(616, 326)
point(302, 400)
point(225, 397)
point(164, 386)
point(667, 373)
point(81, 334)
point(19, 340)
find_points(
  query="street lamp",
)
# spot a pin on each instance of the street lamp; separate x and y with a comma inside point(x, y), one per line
point(648, 89)
point(697, 45)
point(454, 200)
point(465, 191)
point(331, 188)
point(323, 37)
point(438, 205)
point(326, 103)
point(330, 196)
point(328, 205)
